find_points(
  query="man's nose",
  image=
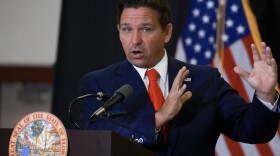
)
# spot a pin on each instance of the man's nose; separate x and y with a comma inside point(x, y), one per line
point(136, 38)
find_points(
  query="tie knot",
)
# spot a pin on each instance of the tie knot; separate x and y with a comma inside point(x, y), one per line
point(152, 75)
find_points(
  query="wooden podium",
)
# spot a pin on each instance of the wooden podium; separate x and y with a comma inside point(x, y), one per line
point(89, 143)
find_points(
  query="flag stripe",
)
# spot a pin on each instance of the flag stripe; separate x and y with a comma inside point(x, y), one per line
point(247, 41)
point(275, 144)
point(249, 149)
point(241, 56)
point(234, 147)
point(222, 149)
point(264, 149)
point(234, 79)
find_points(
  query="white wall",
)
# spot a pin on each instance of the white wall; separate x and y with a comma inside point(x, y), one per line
point(29, 31)
point(28, 37)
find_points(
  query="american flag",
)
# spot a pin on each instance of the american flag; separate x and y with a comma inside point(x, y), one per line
point(224, 21)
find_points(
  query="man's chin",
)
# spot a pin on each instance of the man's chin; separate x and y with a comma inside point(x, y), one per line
point(139, 64)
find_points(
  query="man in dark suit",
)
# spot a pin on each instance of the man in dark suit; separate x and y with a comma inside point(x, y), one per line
point(199, 104)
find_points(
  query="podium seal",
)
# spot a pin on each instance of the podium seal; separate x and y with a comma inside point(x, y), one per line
point(39, 133)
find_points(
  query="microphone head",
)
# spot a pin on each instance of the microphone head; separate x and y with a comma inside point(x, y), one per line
point(125, 91)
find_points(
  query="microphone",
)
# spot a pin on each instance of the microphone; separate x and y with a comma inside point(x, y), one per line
point(120, 95)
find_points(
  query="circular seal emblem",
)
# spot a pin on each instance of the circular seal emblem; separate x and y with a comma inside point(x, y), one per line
point(39, 133)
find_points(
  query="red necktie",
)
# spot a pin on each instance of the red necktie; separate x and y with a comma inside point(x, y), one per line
point(156, 95)
point(154, 91)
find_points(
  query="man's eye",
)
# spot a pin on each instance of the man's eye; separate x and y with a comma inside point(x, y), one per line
point(126, 29)
point(146, 29)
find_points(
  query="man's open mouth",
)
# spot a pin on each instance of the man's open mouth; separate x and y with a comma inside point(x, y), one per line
point(136, 52)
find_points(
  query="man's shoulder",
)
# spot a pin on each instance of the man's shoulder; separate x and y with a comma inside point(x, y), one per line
point(107, 71)
point(191, 67)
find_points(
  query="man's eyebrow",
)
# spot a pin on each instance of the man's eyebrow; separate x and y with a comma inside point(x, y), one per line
point(146, 24)
point(142, 24)
point(124, 24)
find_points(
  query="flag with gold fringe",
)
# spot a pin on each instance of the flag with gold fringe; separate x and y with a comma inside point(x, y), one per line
point(219, 33)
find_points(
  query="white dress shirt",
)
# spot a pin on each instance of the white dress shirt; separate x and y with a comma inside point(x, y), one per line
point(161, 68)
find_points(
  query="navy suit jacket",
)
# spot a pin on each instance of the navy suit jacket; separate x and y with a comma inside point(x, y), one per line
point(214, 108)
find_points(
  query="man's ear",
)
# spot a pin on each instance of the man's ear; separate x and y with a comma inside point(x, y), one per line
point(168, 32)
point(118, 27)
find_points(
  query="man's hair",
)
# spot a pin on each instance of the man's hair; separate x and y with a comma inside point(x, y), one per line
point(161, 6)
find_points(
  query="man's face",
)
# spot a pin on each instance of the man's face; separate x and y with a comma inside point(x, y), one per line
point(142, 37)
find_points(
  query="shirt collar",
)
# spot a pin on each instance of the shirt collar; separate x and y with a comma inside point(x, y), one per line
point(161, 68)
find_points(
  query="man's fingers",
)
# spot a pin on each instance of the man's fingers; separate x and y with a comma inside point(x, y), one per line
point(274, 65)
point(186, 96)
point(263, 51)
point(255, 53)
point(242, 72)
point(178, 81)
point(268, 56)
point(180, 74)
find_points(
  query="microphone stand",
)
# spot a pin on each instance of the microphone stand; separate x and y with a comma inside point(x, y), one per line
point(99, 96)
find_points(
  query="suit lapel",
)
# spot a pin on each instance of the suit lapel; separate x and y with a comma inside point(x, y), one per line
point(126, 74)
